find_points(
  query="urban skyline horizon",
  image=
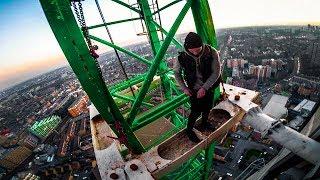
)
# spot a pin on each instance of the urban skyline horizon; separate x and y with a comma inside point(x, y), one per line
point(32, 50)
point(62, 61)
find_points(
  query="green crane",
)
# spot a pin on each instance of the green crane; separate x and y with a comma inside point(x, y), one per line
point(76, 43)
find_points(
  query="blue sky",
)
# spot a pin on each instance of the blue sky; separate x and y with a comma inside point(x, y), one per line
point(26, 41)
point(25, 29)
point(28, 46)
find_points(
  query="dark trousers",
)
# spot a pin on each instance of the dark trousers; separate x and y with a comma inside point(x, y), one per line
point(199, 106)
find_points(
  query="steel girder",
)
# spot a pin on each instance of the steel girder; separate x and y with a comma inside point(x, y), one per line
point(87, 69)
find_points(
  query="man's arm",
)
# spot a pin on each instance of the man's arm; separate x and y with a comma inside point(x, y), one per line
point(178, 75)
point(216, 70)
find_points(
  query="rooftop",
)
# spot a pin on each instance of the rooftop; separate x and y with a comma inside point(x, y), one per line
point(76, 101)
point(276, 106)
point(305, 107)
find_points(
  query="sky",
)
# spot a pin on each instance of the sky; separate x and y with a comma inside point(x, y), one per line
point(29, 48)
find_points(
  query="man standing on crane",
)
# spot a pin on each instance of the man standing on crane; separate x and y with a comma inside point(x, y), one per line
point(198, 72)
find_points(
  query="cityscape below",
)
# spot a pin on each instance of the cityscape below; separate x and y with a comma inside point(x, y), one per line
point(45, 127)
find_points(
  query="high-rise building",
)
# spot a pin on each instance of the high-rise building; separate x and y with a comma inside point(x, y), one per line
point(239, 63)
point(268, 71)
point(29, 141)
point(14, 157)
point(260, 72)
point(251, 68)
point(45, 126)
point(229, 63)
point(275, 64)
point(314, 52)
point(243, 62)
point(78, 106)
point(255, 71)
point(235, 72)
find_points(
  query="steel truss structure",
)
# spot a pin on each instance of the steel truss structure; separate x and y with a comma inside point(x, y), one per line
point(106, 99)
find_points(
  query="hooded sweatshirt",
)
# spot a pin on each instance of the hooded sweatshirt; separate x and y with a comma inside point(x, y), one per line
point(206, 84)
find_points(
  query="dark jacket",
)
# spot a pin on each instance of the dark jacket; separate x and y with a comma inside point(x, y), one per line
point(205, 62)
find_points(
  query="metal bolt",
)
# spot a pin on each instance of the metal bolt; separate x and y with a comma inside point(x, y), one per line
point(114, 176)
point(133, 167)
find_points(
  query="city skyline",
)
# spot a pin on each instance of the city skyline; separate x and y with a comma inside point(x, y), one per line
point(30, 48)
point(50, 127)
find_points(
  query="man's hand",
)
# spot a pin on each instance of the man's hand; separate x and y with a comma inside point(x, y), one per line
point(187, 91)
point(201, 93)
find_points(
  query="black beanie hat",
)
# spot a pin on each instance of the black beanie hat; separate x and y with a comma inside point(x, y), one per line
point(193, 40)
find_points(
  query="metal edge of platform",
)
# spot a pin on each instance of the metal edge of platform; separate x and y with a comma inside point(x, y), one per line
point(236, 116)
point(172, 164)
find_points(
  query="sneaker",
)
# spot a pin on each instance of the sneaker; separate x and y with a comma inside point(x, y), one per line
point(207, 126)
point(193, 136)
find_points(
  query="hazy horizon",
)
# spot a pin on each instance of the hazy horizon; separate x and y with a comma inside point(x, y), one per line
point(65, 62)
point(30, 48)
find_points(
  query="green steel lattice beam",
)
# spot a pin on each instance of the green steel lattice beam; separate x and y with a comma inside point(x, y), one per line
point(70, 38)
point(86, 68)
point(132, 54)
point(114, 22)
point(153, 68)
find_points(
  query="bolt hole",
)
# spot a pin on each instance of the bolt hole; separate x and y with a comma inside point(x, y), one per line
point(81, 57)
point(114, 176)
point(85, 67)
point(134, 167)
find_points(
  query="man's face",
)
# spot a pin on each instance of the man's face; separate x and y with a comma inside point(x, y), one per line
point(195, 51)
